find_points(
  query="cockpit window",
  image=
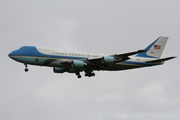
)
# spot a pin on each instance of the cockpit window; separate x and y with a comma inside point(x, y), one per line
point(22, 47)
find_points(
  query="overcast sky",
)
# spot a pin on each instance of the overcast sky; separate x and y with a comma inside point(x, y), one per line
point(96, 26)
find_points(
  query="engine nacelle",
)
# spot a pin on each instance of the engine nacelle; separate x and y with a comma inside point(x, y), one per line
point(58, 70)
point(77, 64)
point(108, 59)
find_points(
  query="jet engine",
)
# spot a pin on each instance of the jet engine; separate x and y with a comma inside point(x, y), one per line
point(77, 64)
point(108, 59)
point(59, 70)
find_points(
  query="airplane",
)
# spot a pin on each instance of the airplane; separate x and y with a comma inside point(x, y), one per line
point(72, 62)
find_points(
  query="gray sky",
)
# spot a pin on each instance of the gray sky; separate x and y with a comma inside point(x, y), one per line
point(97, 26)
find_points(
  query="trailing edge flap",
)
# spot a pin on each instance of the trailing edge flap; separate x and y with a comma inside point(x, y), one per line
point(160, 60)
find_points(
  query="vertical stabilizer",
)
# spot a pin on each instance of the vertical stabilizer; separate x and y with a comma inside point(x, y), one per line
point(155, 49)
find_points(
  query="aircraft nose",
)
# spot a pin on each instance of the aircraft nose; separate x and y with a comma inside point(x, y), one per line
point(15, 55)
point(11, 54)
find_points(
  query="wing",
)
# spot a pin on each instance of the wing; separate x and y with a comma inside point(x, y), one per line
point(118, 57)
point(125, 56)
point(105, 61)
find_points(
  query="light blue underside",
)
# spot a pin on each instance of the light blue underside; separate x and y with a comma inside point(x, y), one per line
point(31, 60)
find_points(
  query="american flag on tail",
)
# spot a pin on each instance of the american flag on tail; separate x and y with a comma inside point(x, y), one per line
point(157, 47)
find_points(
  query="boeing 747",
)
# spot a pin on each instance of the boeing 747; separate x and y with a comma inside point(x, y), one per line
point(78, 62)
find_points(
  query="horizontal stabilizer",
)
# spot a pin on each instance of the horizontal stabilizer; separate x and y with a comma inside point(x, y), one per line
point(160, 60)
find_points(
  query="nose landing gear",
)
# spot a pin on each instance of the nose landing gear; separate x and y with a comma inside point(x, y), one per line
point(26, 68)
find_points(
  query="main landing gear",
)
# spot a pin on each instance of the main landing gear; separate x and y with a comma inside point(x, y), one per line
point(26, 68)
point(78, 74)
point(88, 73)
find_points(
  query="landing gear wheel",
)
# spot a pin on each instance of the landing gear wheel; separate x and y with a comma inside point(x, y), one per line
point(93, 74)
point(89, 73)
point(26, 69)
point(79, 76)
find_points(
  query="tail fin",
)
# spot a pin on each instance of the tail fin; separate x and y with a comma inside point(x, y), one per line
point(155, 49)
